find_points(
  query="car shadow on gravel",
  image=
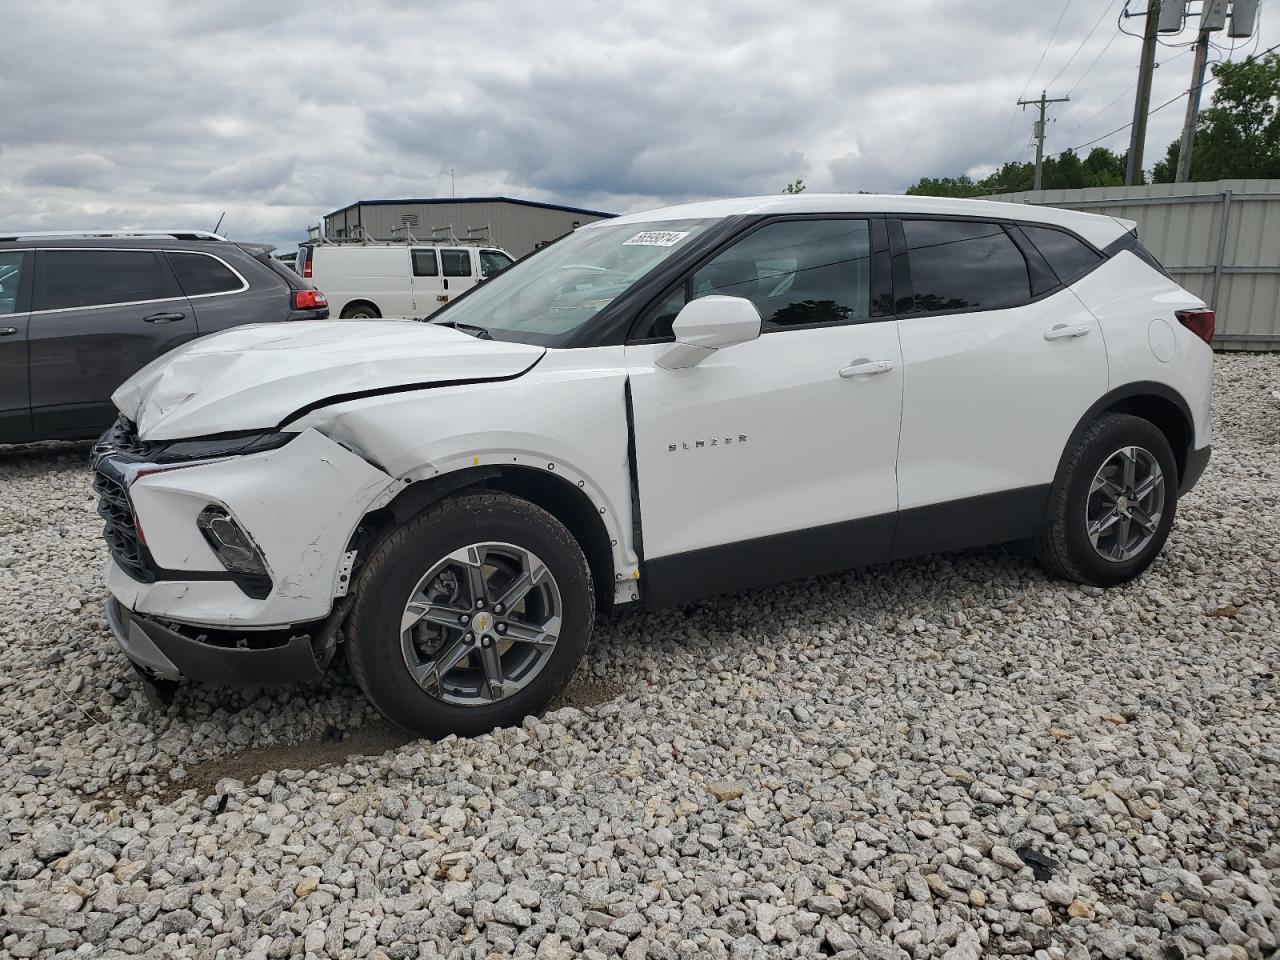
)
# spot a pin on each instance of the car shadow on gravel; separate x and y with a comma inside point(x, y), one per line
point(332, 746)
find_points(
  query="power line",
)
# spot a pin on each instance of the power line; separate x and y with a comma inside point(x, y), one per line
point(1009, 133)
point(1163, 105)
point(1089, 68)
point(1071, 59)
point(1085, 123)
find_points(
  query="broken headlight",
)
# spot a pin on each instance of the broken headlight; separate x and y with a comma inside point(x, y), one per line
point(231, 543)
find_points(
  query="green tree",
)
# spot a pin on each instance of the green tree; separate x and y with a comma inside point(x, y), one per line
point(1239, 134)
point(795, 186)
point(1066, 171)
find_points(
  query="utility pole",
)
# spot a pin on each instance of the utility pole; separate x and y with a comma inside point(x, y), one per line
point(1193, 107)
point(1142, 102)
point(1039, 130)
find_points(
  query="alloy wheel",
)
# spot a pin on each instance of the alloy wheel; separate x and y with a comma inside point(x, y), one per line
point(481, 624)
point(1125, 504)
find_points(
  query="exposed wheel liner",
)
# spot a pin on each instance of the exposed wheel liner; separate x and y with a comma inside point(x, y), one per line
point(373, 630)
point(1063, 547)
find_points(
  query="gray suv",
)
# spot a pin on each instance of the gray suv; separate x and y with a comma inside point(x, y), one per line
point(81, 312)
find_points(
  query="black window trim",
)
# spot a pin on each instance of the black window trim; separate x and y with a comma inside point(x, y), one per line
point(157, 252)
point(902, 266)
point(244, 283)
point(879, 272)
point(1102, 257)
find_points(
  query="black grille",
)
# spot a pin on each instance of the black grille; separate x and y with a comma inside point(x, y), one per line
point(121, 529)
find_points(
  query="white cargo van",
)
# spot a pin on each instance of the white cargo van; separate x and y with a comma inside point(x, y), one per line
point(395, 278)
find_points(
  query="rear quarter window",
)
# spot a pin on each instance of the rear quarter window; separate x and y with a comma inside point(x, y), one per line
point(201, 275)
point(1069, 257)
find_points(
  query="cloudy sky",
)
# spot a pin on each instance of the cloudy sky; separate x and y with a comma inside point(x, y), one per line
point(152, 113)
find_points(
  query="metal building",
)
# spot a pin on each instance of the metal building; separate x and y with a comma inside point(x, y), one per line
point(517, 226)
point(1219, 239)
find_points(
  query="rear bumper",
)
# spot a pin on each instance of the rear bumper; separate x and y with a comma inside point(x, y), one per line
point(171, 651)
point(1197, 461)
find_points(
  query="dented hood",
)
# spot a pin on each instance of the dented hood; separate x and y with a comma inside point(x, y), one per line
point(254, 377)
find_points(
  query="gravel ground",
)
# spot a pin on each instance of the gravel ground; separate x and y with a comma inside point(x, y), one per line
point(954, 757)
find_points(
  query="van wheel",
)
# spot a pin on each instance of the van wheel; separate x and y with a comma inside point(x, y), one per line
point(1112, 504)
point(470, 616)
point(360, 311)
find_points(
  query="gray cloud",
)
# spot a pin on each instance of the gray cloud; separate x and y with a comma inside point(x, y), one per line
point(160, 112)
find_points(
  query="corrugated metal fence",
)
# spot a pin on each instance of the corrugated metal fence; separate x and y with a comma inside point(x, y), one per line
point(1220, 240)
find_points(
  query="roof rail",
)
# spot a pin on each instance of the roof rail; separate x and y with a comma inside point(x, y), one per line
point(109, 234)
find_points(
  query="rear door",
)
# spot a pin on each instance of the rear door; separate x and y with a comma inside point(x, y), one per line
point(15, 398)
point(222, 296)
point(98, 316)
point(1000, 362)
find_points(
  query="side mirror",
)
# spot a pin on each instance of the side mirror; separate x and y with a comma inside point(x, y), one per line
point(706, 325)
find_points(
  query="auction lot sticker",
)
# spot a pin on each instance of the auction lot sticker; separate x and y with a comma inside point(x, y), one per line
point(656, 238)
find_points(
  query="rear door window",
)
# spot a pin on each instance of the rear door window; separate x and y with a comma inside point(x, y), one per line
point(1069, 257)
point(424, 263)
point(199, 275)
point(456, 263)
point(957, 265)
point(91, 278)
point(10, 278)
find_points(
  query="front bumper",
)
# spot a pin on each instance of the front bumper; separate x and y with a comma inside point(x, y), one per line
point(1197, 461)
point(300, 503)
point(171, 651)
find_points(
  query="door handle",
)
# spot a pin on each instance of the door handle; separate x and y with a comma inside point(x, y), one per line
point(1064, 331)
point(8, 331)
point(164, 317)
point(865, 368)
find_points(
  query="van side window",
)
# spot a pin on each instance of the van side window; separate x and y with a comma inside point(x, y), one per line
point(10, 276)
point(456, 263)
point(91, 278)
point(424, 263)
point(958, 265)
point(1068, 257)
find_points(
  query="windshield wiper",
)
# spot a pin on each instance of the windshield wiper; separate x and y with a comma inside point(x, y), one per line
point(480, 333)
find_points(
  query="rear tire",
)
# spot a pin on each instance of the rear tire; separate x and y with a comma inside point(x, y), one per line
point(1112, 503)
point(433, 678)
point(360, 311)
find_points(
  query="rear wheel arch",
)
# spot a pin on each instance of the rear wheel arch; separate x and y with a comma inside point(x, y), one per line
point(351, 307)
point(1155, 402)
point(568, 503)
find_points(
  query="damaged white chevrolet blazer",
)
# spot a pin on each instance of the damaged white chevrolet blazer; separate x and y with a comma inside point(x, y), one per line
point(656, 408)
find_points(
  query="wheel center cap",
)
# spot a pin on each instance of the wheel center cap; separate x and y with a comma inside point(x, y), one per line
point(482, 621)
point(1122, 503)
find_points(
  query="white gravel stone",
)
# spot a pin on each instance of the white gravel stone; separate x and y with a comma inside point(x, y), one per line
point(859, 763)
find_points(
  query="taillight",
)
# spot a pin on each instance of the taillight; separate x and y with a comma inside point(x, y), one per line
point(1199, 322)
point(306, 269)
point(309, 300)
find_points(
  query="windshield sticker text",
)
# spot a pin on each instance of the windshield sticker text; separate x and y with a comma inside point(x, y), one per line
point(656, 238)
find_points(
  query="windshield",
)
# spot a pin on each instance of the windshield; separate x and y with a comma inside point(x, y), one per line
point(555, 292)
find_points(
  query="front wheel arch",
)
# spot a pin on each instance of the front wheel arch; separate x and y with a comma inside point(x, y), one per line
point(552, 492)
point(349, 309)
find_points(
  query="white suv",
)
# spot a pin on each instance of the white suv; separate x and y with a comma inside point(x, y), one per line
point(656, 408)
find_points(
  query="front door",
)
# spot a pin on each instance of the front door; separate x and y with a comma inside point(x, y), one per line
point(15, 398)
point(772, 459)
point(99, 316)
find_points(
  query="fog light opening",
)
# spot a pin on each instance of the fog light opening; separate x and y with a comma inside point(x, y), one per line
point(230, 542)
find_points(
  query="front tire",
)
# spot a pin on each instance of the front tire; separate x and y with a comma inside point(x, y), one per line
point(360, 311)
point(472, 615)
point(1112, 504)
